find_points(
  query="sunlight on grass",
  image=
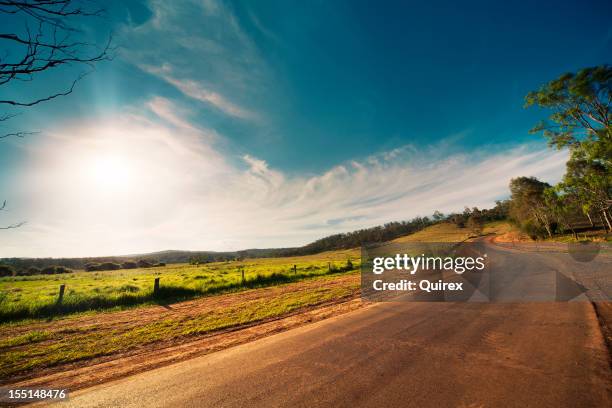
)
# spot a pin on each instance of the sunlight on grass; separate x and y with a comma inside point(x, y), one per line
point(24, 297)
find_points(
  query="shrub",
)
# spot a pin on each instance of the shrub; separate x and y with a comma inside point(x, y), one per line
point(62, 269)
point(534, 231)
point(48, 270)
point(109, 266)
point(32, 270)
point(92, 266)
point(160, 264)
point(144, 264)
point(6, 270)
point(129, 265)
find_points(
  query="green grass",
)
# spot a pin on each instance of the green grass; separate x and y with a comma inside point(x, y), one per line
point(27, 297)
point(27, 338)
point(37, 350)
point(443, 232)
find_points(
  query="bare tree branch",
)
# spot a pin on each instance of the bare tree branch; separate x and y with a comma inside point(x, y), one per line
point(47, 98)
point(16, 225)
point(17, 134)
point(47, 42)
point(52, 43)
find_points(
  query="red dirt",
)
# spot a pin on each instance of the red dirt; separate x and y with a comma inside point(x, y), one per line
point(86, 373)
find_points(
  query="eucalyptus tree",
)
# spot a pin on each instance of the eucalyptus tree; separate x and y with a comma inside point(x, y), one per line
point(581, 122)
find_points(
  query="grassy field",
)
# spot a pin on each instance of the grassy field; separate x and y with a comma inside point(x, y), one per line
point(77, 338)
point(34, 297)
point(24, 297)
point(444, 232)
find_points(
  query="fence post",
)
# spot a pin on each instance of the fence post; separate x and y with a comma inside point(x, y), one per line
point(242, 271)
point(156, 286)
point(60, 298)
point(294, 269)
point(329, 266)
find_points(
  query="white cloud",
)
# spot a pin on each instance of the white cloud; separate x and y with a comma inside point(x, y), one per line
point(196, 91)
point(169, 187)
point(202, 51)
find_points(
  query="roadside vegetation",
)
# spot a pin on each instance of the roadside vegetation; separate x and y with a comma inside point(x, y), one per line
point(83, 337)
point(581, 121)
point(26, 297)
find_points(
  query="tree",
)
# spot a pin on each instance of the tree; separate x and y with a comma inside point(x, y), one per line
point(581, 105)
point(582, 122)
point(563, 208)
point(438, 216)
point(49, 41)
point(528, 206)
point(6, 270)
point(475, 223)
point(590, 183)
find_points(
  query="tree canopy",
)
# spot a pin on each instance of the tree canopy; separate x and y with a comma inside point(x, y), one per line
point(581, 122)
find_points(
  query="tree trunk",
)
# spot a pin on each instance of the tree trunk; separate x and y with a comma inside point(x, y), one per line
point(605, 214)
point(543, 220)
point(547, 226)
point(590, 219)
point(603, 223)
point(574, 233)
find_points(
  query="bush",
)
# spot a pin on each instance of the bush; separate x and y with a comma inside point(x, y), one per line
point(144, 264)
point(534, 231)
point(6, 270)
point(129, 265)
point(160, 264)
point(48, 270)
point(52, 270)
point(104, 266)
point(92, 266)
point(109, 266)
point(32, 270)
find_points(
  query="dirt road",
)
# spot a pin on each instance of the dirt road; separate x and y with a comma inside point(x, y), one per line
point(539, 354)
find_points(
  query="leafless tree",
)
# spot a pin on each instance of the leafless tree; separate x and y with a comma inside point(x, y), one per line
point(49, 40)
point(19, 224)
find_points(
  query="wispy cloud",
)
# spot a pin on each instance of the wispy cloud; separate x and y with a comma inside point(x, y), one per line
point(194, 90)
point(177, 190)
point(202, 51)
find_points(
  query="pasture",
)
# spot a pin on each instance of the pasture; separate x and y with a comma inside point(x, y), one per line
point(24, 297)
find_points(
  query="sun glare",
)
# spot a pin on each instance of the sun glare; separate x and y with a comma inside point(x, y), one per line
point(109, 173)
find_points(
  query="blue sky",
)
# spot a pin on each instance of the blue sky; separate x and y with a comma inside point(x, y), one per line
point(297, 115)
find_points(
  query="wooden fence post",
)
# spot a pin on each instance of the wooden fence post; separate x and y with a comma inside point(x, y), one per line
point(329, 266)
point(60, 298)
point(294, 269)
point(242, 271)
point(156, 286)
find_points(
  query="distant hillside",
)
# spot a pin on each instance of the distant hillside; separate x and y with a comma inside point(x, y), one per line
point(337, 241)
point(354, 239)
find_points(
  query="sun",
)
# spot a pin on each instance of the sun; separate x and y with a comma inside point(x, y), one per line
point(109, 173)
